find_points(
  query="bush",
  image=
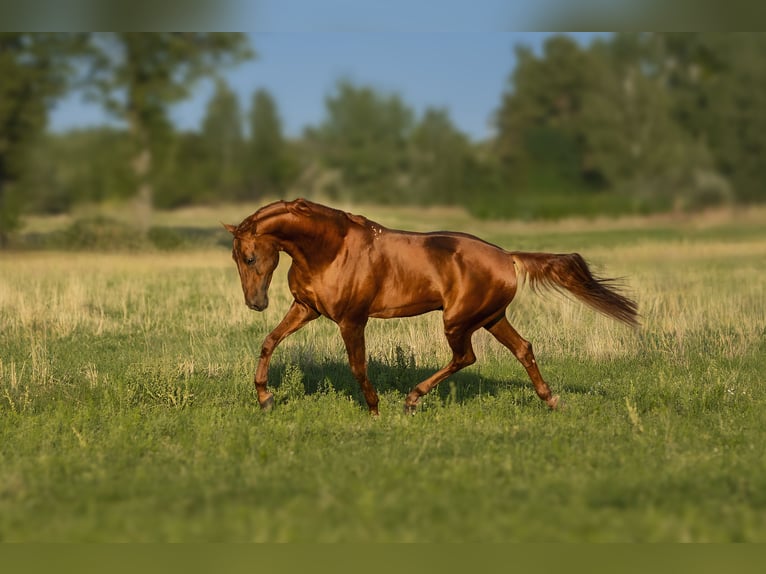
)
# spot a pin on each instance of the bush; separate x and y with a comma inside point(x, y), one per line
point(99, 234)
point(166, 239)
point(107, 234)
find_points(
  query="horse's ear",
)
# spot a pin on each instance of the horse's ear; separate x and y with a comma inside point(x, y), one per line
point(230, 228)
point(300, 207)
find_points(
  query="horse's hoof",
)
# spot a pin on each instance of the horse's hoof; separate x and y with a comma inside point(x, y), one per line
point(268, 404)
point(410, 409)
point(553, 403)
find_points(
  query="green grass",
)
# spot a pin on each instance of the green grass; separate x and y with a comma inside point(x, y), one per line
point(127, 413)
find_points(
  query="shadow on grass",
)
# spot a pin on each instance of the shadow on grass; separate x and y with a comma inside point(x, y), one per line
point(316, 377)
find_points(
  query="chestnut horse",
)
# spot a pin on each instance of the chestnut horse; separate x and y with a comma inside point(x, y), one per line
point(349, 269)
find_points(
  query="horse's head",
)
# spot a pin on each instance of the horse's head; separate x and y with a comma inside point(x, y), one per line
point(256, 257)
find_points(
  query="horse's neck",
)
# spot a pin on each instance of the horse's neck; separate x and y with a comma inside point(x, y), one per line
point(305, 239)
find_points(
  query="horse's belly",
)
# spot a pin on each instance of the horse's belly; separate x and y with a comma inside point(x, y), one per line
point(405, 311)
point(405, 291)
point(390, 307)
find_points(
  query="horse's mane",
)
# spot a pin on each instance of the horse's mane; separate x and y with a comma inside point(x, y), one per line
point(298, 207)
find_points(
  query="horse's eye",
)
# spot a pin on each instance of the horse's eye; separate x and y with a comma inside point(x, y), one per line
point(249, 260)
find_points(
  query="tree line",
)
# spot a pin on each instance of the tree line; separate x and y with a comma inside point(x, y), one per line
point(631, 122)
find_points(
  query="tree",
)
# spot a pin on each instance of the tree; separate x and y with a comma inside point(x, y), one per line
point(365, 136)
point(632, 140)
point(138, 75)
point(87, 165)
point(440, 159)
point(35, 71)
point(223, 142)
point(621, 115)
point(539, 140)
point(207, 165)
point(738, 137)
point(713, 78)
point(268, 164)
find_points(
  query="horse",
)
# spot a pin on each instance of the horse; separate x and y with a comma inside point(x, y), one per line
point(348, 268)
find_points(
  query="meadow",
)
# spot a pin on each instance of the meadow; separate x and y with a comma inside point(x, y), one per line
point(127, 411)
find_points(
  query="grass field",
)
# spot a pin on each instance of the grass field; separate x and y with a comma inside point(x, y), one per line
point(127, 413)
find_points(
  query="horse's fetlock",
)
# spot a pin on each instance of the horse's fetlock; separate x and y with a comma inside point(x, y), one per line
point(411, 401)
point(410, 408)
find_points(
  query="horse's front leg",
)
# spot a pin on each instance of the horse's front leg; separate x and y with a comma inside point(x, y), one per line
point(297, 316)
point(353, 337)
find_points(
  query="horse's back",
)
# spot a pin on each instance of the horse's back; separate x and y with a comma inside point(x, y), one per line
point(420, 272)
point(448, 251)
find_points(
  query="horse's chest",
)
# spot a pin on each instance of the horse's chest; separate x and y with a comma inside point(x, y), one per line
point(329, 293)
point(302, 288)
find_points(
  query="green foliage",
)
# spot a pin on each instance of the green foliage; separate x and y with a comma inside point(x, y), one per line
point(11, 202)
point(565, 201)
point(220, 163)
point(81, 166)
point(157, 69)
point(382, 153)
point(269, 166)
point(99, 233)
point(540, 142)
point(93, 165)
point(106, 234)
point(442, 159)
point(633, 142)
point(207, 166)
point(365, 136)
point(190, 175)
point(35, 70)
point(291, 387)
point(727, 113)
point(138, 75)
point(224, 140)
point(663, 120)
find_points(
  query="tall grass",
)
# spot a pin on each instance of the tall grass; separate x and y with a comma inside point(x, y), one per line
point(127, 413)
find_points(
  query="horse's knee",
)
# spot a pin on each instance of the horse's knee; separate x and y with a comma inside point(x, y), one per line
point(267, 348)
point(359, 372)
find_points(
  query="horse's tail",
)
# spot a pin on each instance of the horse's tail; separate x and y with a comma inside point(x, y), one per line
point(571, 273)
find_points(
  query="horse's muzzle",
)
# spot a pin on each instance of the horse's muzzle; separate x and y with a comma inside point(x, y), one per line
point(257, 302)
point(260, 306)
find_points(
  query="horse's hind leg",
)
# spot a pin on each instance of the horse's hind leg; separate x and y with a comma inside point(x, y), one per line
point(522, 349)
point(462, 356)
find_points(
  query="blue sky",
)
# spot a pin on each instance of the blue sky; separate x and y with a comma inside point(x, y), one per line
point(463, 68)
